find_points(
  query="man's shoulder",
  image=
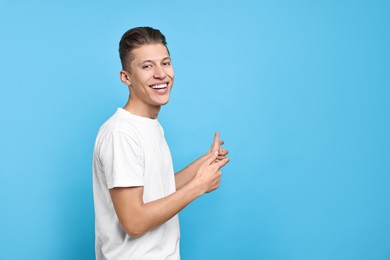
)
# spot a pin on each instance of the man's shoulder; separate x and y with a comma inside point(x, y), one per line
point(118, 124)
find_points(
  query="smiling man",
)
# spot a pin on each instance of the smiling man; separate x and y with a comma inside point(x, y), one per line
point(137, 196)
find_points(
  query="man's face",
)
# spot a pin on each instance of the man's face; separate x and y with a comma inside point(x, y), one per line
point(151, 75)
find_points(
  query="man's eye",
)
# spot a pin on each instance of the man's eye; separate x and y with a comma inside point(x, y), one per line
point(167, 63)
point(146, 66)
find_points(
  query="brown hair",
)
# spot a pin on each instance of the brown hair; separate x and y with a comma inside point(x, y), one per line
point(135, 38)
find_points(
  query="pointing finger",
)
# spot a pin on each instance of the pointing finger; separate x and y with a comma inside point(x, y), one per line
point(221, 163)
point(216, 143)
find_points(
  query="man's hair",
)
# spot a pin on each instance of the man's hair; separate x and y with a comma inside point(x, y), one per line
point(136, 37)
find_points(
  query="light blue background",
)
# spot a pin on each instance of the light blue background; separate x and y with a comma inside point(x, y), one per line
point(298, 89)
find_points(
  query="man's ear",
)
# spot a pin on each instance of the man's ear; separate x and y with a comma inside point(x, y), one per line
point(125, 77)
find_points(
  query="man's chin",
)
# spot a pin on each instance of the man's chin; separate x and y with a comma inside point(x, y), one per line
point(164, 103)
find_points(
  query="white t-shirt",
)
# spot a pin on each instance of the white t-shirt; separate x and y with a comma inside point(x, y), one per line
point(131, 151)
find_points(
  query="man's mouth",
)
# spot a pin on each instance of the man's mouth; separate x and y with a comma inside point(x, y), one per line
point(161, 86)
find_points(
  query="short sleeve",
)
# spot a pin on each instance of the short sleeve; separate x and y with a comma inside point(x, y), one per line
point(122, 161)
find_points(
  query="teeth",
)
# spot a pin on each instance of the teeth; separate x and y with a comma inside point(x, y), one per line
point(159, 86)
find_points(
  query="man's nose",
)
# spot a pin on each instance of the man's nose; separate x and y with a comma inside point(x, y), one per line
point(159, 72)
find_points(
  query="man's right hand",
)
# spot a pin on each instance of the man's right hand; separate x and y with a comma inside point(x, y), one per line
point(209, 174)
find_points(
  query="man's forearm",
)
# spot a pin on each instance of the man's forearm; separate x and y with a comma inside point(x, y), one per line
point(159, 211)
point(137, 217)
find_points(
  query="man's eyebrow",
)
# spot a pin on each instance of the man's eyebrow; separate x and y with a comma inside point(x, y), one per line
point(153, 61)
point(144, 61)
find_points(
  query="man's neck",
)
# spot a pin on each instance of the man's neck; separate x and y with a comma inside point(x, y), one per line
point(140, 109)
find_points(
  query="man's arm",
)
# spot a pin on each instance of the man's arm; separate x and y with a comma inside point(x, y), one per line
point(188, 173)
point(137, 217)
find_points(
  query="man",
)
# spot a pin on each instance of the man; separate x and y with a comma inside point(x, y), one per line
point(136, 193)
